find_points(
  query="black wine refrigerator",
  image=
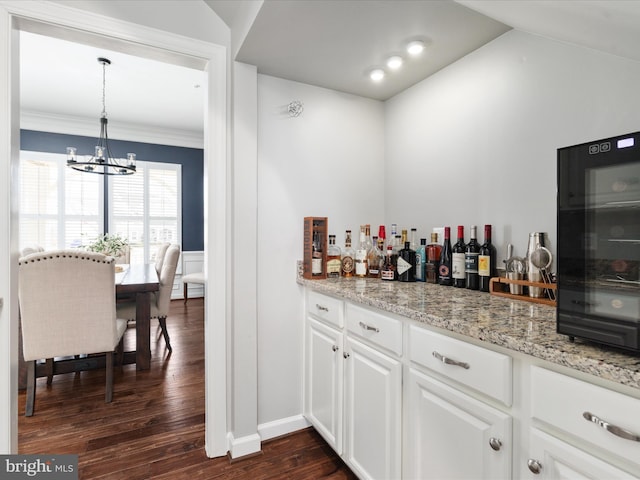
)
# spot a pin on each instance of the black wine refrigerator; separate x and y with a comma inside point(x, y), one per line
point(598, 254)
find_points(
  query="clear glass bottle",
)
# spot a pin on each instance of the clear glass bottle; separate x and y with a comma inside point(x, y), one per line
point(347, 256)
point(413, 239)
point(360, 258)
point(388, 269)
point(374, 259)
point(334, 258)
point(421, 260)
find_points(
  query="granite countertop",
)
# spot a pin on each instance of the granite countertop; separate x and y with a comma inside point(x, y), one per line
point(518, 325)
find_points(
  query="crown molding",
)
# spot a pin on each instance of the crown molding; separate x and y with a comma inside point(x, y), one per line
point(90, 127)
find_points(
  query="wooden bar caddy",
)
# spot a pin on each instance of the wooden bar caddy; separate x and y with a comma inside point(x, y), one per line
point(496, 284)
point(311, 225)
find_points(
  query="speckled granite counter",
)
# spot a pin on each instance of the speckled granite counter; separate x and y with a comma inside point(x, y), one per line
point(514, 324)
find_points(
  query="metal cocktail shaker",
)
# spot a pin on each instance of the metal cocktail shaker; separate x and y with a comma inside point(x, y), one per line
point(536, 240)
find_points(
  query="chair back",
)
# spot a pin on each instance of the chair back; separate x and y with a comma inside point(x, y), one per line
point(166, 277)
point(29, 249)
point(162, 250)
point(125, 258)
point(67, 303)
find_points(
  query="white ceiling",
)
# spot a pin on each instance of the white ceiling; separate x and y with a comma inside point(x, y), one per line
point(329, 43)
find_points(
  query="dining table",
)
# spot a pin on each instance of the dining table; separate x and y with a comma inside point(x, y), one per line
point(134, 282)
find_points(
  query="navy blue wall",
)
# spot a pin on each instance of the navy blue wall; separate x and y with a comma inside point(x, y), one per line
point(191, 159)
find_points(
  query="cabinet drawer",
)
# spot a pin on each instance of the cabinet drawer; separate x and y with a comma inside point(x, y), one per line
point(483, 370)
point(565, 403)
point(326, 308)
point(377, 329)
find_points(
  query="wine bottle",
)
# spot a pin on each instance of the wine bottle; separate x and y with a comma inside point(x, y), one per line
point(457, 262)
point(388, 269)
point(361, 255)
point(446, 260)
point(486, 260)
point(432, 264)
point(421, 259)
point(334, 261)
point(407, 264)
point(471, 260)
point(347, 256)
point(316, 255)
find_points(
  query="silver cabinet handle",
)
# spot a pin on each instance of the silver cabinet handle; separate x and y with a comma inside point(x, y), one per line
point(534, 466)
point(450, 361)
point(335, 348)
point(346, 355)
point(617, 431)
point(321, 308)
point(495, 443)
point(369, 327)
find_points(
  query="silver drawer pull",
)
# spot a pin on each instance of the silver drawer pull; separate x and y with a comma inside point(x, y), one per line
point(617, 431)
point(321, 308)
point(450, 361)
point(534, 466)
point(495, 443)
point(369, 327)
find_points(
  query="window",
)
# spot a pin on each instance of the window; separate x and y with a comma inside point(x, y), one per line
point(59, 207)
point(63, 208)
point(146, 208)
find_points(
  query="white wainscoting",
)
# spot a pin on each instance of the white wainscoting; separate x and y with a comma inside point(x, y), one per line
point(192, 262)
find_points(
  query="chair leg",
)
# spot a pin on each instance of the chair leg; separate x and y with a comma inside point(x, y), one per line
point(185, 293)
point(49, 371)
point(120, 352)
point(163, 326)
point(31, 388)
point(109, 387)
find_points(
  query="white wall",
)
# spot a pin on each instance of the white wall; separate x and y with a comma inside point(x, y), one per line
point(476, 143)
point(329, 162)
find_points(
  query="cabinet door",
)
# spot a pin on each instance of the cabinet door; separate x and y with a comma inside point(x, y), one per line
point(324, 382)
point(451, 435)
point(553, 459)
point(373, 383)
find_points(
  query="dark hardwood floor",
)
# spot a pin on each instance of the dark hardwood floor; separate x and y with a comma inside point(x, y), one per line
point(154, 428)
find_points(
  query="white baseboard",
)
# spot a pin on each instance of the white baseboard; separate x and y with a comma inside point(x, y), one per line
point(239, 447)
point(282, 427)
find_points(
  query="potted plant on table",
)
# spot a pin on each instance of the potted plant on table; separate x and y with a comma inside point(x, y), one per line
point(109, 244)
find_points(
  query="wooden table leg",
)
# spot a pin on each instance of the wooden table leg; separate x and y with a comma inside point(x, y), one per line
point(143, 331)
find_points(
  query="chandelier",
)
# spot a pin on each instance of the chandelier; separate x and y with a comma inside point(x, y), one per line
point(102, 162)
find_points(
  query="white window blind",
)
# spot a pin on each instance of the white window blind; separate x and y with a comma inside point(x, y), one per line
point(59, 207)
point(146, 208)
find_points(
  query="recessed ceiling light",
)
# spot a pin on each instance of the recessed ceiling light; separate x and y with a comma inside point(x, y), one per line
point(415, 48)
point(376, 74)
point(394, 62)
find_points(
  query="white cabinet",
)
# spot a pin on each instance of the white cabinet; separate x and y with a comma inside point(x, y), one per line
point(353, 385)
point(324, 381)
point(373, 413)
point(599, 427)
point(553, 459)
point(451, 435)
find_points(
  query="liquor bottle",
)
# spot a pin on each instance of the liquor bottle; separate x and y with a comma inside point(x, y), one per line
point(374, 258)
point(403, 238)
point(471, 260)
point(361, 255)
point(347, 256)
point(367, 232)
point(388, 269)
point(382, 235)
point(316, 254)
point(486, 260)
point(421, 260)
point(397, 246)
point(334, 260)
point(407, 264)
point(457, 263)
point(413, 238)
point(394, 232)
point(446, 260)
point(432, 265)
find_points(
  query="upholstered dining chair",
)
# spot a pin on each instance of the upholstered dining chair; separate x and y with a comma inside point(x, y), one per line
point(67, 307)
point(161, 299)
point(160, 252)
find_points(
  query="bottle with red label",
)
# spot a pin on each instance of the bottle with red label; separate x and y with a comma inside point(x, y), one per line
point(446, 260)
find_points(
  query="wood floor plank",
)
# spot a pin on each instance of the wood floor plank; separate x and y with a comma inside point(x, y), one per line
point(154, 428)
